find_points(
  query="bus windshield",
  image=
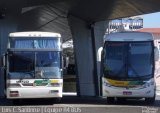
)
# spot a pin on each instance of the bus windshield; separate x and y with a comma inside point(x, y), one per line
point(26, 64)
point(128, 60)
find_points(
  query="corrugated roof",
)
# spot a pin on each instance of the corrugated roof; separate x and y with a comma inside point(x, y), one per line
point(52, 15)
point(151, 30)
point(154, 31)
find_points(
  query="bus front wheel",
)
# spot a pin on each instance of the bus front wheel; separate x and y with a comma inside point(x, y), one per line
point(16, 102)
point(150, 100)
point(110, 100)
point(56, 100)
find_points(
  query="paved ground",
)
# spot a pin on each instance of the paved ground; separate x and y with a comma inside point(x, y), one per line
point(74, 104)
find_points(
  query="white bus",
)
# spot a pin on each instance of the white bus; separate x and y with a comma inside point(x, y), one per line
point(128, 66)
point(33, 66)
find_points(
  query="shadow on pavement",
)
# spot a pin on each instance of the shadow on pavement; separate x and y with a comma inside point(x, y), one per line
point(77, 100)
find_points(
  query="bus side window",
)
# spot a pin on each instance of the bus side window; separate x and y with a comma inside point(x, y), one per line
point(156, 54)
point(159, 48)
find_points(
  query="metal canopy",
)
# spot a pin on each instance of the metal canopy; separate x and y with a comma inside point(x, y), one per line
point(97, 10)
point(92, 10)
point(51, 15)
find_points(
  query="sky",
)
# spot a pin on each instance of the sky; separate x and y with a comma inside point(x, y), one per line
point(151, 20)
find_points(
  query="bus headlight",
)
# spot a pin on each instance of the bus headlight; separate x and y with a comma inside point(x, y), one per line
point(107, 84)
point(148, 84)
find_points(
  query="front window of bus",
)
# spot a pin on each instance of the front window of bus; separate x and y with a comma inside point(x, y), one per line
point(140, 63)
point(21, 65)
point(127, 60)
point(31, 65)
point(48, 63)
point(114, 59)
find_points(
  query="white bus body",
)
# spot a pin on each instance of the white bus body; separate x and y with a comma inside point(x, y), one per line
point(128, 66)
point(33, 65)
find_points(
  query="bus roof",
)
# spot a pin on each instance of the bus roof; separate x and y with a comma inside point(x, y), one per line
point(129, 36)
point(34, 34)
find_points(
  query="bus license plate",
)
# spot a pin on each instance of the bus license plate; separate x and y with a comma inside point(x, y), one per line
point(127, 93)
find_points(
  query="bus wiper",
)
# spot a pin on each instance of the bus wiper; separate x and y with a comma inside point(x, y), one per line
point(30, 73)
point(44, 76)
point(136, 73)
point(124, 67)
point(40, 74)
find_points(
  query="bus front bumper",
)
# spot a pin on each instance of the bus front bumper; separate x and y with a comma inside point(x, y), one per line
point(37, 92)
point(140, 93)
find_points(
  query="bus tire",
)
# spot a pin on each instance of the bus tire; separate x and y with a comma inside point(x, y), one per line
point(150, 100)
point(121, 100)
point(56, 100)
point(110, 100)
point(16, 101)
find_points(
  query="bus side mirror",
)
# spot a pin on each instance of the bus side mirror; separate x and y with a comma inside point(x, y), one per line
point(156, 54)
point(4, 60)
point(99, 54)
